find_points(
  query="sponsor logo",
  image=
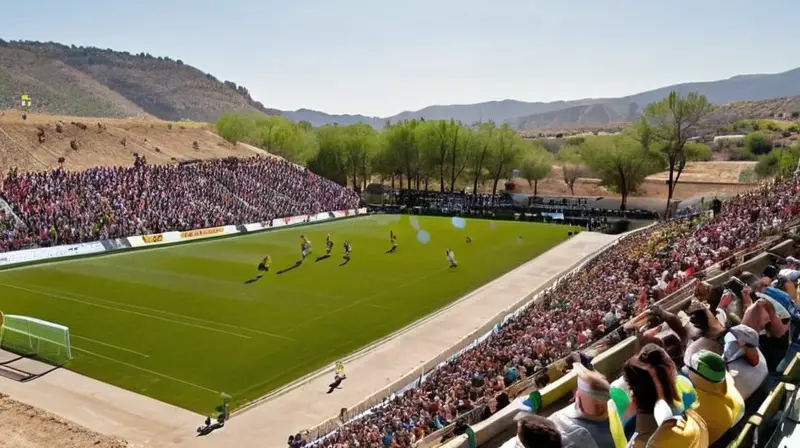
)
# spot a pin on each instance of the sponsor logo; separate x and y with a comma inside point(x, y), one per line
point(202, 232)
point(287, 221)
point(150, 239)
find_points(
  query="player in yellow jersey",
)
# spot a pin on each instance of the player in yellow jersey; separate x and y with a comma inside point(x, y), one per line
point(328, 245)
point(393, 240)
point(264, 266)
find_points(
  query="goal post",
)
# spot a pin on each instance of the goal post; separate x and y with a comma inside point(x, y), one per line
point(29, 336)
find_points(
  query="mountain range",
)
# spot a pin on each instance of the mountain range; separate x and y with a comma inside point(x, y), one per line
point(88, 81)
point(584, 112)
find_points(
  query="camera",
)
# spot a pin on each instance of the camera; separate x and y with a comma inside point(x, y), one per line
point(734, 285)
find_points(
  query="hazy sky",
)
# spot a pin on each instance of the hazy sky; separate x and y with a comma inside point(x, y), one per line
point(382, 57)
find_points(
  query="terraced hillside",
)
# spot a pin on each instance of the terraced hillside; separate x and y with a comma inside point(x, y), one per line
point(112, 143)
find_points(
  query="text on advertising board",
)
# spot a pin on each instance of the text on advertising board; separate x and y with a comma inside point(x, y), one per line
point(150, 239)
point(202, 232)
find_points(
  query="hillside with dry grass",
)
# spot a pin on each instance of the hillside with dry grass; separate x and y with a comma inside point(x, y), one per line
point(785, 108)
point(41, 141)
point(87, 81)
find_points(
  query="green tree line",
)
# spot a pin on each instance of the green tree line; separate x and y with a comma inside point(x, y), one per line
point(446, 155)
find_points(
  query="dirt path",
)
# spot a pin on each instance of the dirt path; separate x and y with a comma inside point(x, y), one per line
point(24, 426)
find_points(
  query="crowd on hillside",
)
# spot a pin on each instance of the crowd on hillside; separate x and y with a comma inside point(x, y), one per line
point(617, 284)
point(63, 207)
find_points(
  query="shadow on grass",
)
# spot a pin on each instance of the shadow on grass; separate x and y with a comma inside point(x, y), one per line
point(324, 257)
point(294, 266)
point(344, 262)
point(254, 279)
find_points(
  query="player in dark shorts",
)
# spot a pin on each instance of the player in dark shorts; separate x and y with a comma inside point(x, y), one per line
point(264, 266)
point(305, 248)
point(468, 239)
point(328, 245)
point(346, 257)
point(347, 249)
point(393, 240)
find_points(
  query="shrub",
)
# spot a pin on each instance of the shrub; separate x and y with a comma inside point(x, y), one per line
point(796, 114)
point(757, 143)
point(741, 154)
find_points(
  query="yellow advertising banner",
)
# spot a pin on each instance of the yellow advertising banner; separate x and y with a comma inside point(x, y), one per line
point(202, 232)
point(150, 239)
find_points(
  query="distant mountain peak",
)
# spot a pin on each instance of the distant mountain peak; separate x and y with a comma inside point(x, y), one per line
point(596, 111)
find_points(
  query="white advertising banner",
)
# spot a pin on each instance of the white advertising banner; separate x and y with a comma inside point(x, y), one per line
point(44, 253)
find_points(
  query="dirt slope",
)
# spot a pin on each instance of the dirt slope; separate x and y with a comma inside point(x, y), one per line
point(20, 147)
point(28, 427)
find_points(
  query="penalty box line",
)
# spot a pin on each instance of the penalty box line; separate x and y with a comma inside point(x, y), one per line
point(152, 372)
point(122, 310)
point(72, 335)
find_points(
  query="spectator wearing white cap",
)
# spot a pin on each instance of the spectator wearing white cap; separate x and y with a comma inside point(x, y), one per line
point(744, 360)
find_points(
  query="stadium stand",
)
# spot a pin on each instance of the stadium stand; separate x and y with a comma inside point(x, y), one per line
point(656, 265)
point(63, 207)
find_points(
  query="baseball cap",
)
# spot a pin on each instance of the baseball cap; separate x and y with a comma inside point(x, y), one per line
point(792, 260)
point(533, 403)
point(744, 334)
point(708, 365)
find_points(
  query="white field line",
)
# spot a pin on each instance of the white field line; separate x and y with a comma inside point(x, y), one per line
point(148, 371)
point(182, 316)
point(62, 297)
point(72, 335)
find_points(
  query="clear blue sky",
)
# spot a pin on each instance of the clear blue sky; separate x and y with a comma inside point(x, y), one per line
point(382, 57)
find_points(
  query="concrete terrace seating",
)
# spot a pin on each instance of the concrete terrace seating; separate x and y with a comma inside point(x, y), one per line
point(61, 207)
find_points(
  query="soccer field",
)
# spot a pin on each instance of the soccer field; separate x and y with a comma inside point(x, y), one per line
point(183, 323)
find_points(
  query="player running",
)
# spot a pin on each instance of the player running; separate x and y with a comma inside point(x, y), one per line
point(468, 239)
point(328, 245)
point(305, 247)
point(347, 249)
point(264, 266)
point(451, 258)
point(346, 257)
point(393, 240)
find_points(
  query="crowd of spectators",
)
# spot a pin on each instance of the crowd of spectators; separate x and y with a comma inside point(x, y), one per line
point(583, 307)
point(64, 207)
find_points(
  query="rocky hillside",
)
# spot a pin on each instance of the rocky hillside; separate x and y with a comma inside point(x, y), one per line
point(588, 115)
point(87, 81)
point(786, 108)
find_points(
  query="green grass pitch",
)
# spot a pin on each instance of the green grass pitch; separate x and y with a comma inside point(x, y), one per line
point(181, 324)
